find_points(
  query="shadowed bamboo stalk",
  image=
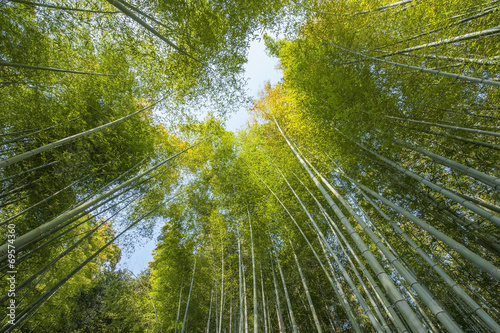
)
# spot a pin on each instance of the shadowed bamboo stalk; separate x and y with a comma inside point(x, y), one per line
point(22, 315)
point(23, 156)
point(59, 70)
point(306, 288)
point(425, 70)
point(63, 8)
point(463, 129)
point(46, 228)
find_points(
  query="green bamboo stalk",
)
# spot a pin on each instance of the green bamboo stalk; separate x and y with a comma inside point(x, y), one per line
point(263, 300)
point(26, 135)
point(46, 228)
point(289, 303)
point(429, 299)
point(59, 70)
point(179, 307)
point(339, 290)
point(463, 129)
point(24, 211)
point(426, 70)
point(362, 302)
point(221, 288)
point(457, 247)
point(145, 14)
point(281, 323)
point(378, 292)
point(486, 11)
point(306, 288)
point(56, 259)
point(63, 8)
point(210, 309)
point(387, 283)
point(486, 61)
point(245, 301)
point(30, 170)
point(254, 277)
point(189, 298)
point(26, 311)
point(453, 285)
point(23, 156)
point(469, 36)
point(68, 222)
point(127, 12)
point(344, 272)
point(484, 178)
point(467, 204)
point(379, 9)
point(461, 139)
point(240, 284)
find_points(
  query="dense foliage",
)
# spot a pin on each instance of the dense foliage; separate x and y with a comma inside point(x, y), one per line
point(363, 195)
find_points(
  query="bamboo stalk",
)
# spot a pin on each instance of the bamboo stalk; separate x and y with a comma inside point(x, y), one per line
point(391, 289)
point(59, 70)
point(45, 228)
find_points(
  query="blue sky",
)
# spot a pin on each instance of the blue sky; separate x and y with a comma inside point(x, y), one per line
point(259, 69)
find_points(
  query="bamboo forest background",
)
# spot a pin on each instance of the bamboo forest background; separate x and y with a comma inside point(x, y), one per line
point(363, 195)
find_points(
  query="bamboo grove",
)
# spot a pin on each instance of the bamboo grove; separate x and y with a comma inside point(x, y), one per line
point(363, 195)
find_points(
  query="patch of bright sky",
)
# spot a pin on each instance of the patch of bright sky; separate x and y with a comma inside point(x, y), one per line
point(259, 69)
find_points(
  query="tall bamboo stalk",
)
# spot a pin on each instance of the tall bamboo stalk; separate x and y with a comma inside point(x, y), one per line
point(23, 156)
point(306, 288)
point(287, 297)
point(179, 307)
point(387, 283)
point(281, 323)
point(10, 64)
point(189, 297)
point(453, 285)
point(378, 292)
point(46, 228)
point(254, 279)
point(440, 189)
